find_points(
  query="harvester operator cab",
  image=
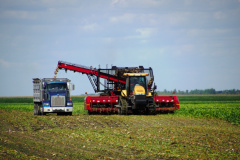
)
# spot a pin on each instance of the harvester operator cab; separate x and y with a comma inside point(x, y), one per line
point(136, 81)
point(135, 84)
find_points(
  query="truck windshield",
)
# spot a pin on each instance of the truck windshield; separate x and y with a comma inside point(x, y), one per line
point(57, 86)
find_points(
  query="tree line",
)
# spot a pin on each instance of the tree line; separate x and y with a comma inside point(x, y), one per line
point(200, 91)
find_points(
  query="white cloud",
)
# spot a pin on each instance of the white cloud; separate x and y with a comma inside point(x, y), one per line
point(23, 66)
point(219, 15)
point(184, 50)
point(58, 3)
point(114, 2)
point(36, 34)
point(143, 34)
point(146, 32)
point(125, 18)
point(208, 32)
point(121, 3)
point(18, 14)
point(175, 18)
point(90, 27)
point(109, 40)
point(144, 19)
point(4, 64)
point(138, 3)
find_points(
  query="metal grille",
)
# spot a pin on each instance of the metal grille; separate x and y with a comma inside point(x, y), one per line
point(58, 101)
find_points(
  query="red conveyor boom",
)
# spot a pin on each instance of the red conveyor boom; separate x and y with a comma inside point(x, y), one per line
point(91, 71)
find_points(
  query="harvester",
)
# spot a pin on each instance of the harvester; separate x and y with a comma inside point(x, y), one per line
point(127, 90)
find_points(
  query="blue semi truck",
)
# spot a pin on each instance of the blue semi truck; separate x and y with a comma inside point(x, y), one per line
point(52, 95)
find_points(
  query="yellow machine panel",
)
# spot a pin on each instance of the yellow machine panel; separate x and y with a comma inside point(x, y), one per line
point(135, 74)
point(149, 94)
point(124, 93)
point(139, 90)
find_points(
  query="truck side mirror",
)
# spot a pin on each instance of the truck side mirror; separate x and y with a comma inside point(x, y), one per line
point(73, 87)
point(43, 85)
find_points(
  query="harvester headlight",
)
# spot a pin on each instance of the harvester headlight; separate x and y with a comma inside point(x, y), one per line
point(139, 93)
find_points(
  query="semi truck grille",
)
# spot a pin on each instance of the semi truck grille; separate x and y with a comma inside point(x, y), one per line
point(58, 101)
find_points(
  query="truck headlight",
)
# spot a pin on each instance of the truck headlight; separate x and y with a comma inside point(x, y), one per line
point(46, 104)
point(69, 103)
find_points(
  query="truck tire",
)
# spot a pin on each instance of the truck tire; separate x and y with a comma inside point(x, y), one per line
point(68, 114)
point(59, 113)
point(36, 110)
point(64, 113)
point(41, 111)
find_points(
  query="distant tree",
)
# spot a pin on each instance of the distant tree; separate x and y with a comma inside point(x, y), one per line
point(199, 91)
point(165, 91)
point(175, 91)
point(210, 91)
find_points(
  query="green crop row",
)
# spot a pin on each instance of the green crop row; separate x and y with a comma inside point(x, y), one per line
point(196, 106)
point(30, 99)
point(29, 107)
point(226, 111)
point(209, 98)
point(16, 100)
point(182, 99)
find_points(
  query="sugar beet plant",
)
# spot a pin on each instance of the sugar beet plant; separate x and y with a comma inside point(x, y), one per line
point(223, 107)
point(213, 107)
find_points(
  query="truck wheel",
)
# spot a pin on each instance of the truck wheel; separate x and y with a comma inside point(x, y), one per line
point(35, 109)
point(68, 113)
point(42, 111)
point(59, 113)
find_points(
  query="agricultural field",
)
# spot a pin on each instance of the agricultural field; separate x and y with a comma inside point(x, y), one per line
point(205, 127)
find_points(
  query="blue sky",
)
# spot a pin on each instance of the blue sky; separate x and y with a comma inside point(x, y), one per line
point(189, 44)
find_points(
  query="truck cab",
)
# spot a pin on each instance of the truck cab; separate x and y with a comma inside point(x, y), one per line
point(52, 95)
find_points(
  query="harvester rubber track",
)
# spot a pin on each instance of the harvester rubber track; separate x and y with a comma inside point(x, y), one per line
point(123, 103)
